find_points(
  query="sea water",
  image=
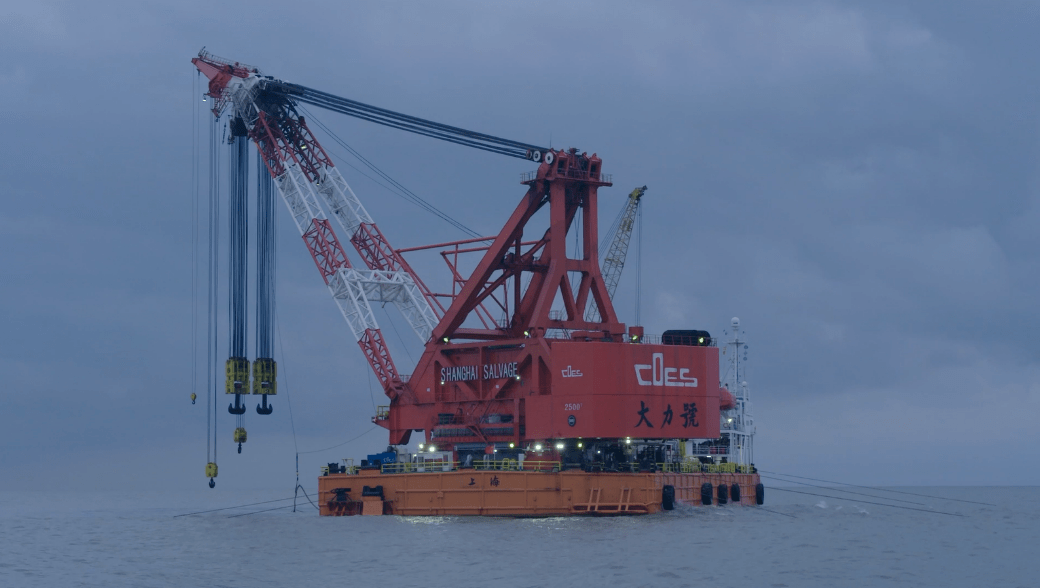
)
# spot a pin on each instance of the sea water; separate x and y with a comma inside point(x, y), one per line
point(65, 538)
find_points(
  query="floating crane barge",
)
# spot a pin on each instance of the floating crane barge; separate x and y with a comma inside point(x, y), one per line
point(525, 410)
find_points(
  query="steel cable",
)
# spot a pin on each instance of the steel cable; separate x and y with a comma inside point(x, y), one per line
point(878, 489)
point(398, 188)
point(952, 514)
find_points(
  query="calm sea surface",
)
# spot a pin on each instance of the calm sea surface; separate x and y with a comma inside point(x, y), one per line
point(65, 539)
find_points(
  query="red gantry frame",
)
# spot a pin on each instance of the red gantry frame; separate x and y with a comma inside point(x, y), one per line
point(510, 382)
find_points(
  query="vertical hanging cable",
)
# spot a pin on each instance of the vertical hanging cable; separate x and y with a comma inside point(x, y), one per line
point(265, 371)
point(237, 367)
point(195, 245)
point(211, 297)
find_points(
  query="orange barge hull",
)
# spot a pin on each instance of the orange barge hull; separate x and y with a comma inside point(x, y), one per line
point(523, 493)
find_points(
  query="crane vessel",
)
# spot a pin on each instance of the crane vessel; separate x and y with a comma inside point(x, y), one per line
point(531, 397)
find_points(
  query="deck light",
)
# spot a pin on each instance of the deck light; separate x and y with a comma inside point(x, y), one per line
point(537, 446)
point(512, 445)
point(559, 445)
point(579, 444)
point(433, 448)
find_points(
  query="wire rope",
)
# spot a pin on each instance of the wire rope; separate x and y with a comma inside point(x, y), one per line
point(371, 394)
point(398, 333)
point(285, 382)
point(212, 285)
point(341, 444)
point(846, 491)
point(639, 264)
point(399, 120)
point(195, 246)
point(398, 189)
point(952, 514)
point(238, 255)
point(231, 507)
point(878, 489)
point(299, 487)
point(245, 514)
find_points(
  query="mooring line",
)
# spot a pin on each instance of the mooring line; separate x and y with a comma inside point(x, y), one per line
point(259, 511)
point(878, 488)
point(230, 507)
point(952, 514)
point(776, 512)
point(847, 491)
point(300, 486)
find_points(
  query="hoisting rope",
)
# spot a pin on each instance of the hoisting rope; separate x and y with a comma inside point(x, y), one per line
point(195, 242)
point(211, 294)
point(266, 267)
point(238, 256)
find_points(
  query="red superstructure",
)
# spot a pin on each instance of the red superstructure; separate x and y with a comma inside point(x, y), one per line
point(513, 384)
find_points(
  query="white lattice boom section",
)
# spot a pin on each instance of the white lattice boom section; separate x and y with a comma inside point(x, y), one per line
point(303, 175)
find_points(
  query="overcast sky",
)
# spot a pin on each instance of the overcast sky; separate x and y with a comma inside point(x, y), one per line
point(857, 181)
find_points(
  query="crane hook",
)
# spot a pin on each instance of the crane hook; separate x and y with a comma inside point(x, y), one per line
point(236, 408)
point(193, 398)
point(212, 483)
point(266, 409)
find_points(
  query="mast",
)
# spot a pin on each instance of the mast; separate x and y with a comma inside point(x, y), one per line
point(738, 424)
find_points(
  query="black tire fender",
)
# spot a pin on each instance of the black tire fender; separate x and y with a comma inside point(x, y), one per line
point(668, 497)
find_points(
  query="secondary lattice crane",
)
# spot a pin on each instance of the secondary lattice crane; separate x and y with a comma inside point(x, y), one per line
point(619, 237)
